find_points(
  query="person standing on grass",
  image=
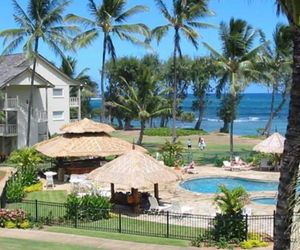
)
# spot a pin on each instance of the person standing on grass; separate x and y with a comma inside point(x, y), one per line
point(201, 143)
point(189, 144)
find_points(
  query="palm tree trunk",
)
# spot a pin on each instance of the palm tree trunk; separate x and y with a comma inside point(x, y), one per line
point(140, 140)
point(231, 139)
point(102, 115)
point(174, 136)
point(200, 114)
point(291, 157)
point(30, 103)
point(268, 126)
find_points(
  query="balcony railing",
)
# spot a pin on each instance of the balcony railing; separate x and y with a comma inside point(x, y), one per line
point(9, 129)
point(41, 116)
point(74, 102)
point(9, 103)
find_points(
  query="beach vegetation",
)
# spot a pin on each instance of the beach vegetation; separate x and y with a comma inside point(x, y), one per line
point(42, 21)
point(183, 20)
point(109, 17)
point(172, 154)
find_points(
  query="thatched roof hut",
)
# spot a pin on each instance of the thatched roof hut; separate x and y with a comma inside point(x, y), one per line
point(133, 169)
point(274, 144)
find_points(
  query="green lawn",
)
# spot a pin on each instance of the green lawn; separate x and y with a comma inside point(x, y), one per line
point(17, 244)
point(48, 195)
point(118, 236)
point(208, 156)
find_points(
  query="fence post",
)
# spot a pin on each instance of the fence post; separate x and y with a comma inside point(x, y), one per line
point(76, 217)
point(168, 224)
point(120, 222)
point(246, 236)
point(36, 210)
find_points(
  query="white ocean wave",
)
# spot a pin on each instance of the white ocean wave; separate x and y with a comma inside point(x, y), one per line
point(240, 120)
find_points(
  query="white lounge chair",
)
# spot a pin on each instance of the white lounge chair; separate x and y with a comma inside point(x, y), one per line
point(179, 210)
point(247, 211)
point(155, 207)
point(227, 165)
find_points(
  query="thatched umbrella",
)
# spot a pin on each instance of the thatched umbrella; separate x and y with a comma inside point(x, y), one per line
point(86, 126)
point(134, 169)
point(274, 144)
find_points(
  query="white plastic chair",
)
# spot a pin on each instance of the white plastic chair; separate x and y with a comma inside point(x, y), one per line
point(155, 207)
point(49, 181)
point(227, 165)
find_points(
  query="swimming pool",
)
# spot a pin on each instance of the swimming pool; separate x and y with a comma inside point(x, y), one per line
point(265, 200)
point(210, 184)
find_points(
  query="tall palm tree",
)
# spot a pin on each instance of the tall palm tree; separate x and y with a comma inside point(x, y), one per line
point(42, 21)
point(276, 63)
point(143, 99)
point(291, 154)
point(236, 63)
point(109, 18)
point(183, 18)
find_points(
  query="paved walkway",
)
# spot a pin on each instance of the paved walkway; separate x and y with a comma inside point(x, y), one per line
point(83, 241)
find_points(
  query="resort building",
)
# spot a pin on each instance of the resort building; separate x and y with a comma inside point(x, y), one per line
point(55, 95)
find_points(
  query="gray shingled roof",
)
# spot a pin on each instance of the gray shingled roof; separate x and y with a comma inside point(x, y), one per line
point(11, 66)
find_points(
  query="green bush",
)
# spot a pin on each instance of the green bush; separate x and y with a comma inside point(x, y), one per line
point(171, 153)
point(219, 160)
point(15, 188)
point(34, 188)
point(13, 219)
point(10, 225)
point(25, 224)
point(168, 132)
point(88, 207)
point(253, 243)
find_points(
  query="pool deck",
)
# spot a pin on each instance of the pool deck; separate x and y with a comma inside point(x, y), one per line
point(203, 203)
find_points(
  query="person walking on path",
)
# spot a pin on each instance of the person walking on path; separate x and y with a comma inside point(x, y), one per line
point(201, 143)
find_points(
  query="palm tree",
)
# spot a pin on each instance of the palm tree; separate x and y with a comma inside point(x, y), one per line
point(43, 21)
point(236, 63)
point(109, 18)
point(291, 155)
point(276, 63)
point(87, 85)
point(144, 100)
point(182, 19)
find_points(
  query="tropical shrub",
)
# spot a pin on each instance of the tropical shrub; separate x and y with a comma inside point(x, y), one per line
point(171, 153)
point(34, 188)
point(219, 160)
point(253, 243)
point(230, 225)
point(14, 219)
point(88, 207)
point(25, 157)
point(15, 188)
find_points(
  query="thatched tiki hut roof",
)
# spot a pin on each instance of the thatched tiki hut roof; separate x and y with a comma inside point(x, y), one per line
point(85, 138)
point(274, 144)
point(86, 126)
point(134, 169)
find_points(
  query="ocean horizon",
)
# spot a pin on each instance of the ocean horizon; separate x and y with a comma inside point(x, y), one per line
point(253, 113)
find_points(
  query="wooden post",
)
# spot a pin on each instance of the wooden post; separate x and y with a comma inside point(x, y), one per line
point(136, 200)
point(156, 195)
point(112, 189)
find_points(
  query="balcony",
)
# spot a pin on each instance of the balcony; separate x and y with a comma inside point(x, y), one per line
point(74, 102)
point(9, 104)
point(41, 116)
point(8, 130)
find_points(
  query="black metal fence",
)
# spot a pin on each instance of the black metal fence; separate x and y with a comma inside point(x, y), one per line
point(163, 224)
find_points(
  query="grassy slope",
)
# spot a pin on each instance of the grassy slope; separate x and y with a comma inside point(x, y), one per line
point(17, 244)
point(117, 236)
point(48, 195)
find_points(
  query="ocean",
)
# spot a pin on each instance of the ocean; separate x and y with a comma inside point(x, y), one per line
point(253, 113)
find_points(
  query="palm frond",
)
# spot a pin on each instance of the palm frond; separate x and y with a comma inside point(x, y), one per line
point(138, 28)
point(19, 12)
point(80, 20)
point(191, 35)
point(214, 52)
point(164, 10)
point(159, 32)
point(86, 38)
point(132, 11)
point(12, 45)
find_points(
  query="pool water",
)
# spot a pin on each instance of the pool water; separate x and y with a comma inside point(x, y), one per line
point(211, 184)
point(265, 200)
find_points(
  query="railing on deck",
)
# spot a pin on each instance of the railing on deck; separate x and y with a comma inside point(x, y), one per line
point(74, 102)
point(9, 103)
point(9, 129)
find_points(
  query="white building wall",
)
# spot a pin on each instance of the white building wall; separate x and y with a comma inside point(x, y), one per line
point(55, 103)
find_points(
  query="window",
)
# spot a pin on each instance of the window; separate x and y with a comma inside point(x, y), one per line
point(58, 115)
point(58, 92)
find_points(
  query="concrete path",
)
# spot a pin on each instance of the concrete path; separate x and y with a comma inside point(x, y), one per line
point(83, 241)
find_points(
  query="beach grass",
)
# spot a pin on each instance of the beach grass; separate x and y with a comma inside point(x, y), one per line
point(17, 244)
point(118, 236)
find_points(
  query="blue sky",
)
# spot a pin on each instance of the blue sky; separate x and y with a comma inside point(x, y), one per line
point(258, 13)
